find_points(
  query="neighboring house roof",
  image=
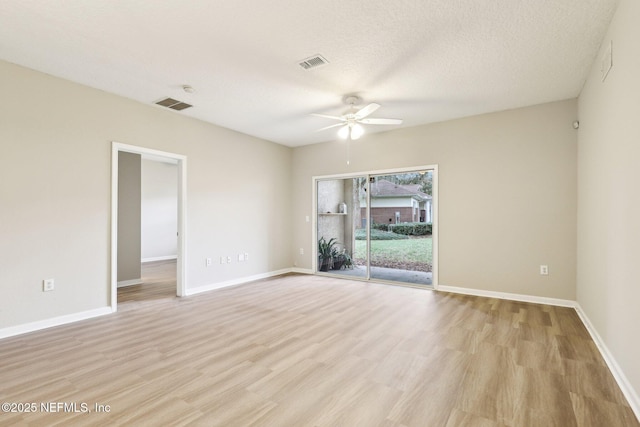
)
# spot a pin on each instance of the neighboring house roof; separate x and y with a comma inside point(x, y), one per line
point(416, 188)
point(384, 188)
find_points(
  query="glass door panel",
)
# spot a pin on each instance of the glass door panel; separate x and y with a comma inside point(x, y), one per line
point(341, 223)
point(400, 226)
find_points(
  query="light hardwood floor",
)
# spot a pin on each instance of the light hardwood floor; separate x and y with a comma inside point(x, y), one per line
point(158, 282)
point(315, 351)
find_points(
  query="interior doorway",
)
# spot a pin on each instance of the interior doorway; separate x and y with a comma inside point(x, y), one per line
point(180, 161)
point(379, 225)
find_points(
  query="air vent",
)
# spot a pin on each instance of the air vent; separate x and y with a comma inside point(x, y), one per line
point(313, 62)
point(174, 104)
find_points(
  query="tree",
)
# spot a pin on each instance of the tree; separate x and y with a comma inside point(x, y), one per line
point(427, 183)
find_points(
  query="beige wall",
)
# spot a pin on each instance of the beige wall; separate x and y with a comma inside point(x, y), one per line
point(608, 284)
point(55, 179)
point(129, 216)
point(507, 191)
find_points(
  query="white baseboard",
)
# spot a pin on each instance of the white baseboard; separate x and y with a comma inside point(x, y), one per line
point(302, 270)
point(54, 321)
point(131, 282)
point(159, 258)
point(235, 282)
point(75, 317)
point(508, 296)
point(618, 374)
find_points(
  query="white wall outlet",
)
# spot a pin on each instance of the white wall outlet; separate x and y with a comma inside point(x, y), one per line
point(48, 285)
point(229, 259)
point(240, 257)
point(246, 256)
point(207, 262)
point(223, 260)
point(301, 251)
point(306, 218)
point(544, 270)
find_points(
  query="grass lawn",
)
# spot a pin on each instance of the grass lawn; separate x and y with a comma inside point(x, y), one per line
point(410, 254)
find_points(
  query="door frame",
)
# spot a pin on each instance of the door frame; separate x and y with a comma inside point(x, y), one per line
point(181, 161)
point(368, 174)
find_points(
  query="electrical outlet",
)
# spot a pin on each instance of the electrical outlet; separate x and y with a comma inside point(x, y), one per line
point(229, 259)
point(222, 260)
point(208, 262)
point(240, 257)
point(48, 285)
point(544, 270)
point(246, 256)
point(301, 251)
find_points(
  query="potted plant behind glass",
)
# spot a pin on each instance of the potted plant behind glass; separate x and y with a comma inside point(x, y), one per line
point(326, 252)
point(342, 259)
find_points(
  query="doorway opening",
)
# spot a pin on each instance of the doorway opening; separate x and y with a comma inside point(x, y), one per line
point(378, 226)
point(126, 249)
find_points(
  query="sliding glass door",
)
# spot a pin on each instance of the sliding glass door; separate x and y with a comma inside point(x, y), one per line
point(377, 226)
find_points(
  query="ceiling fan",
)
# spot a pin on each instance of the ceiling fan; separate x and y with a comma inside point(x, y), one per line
point(351, 120)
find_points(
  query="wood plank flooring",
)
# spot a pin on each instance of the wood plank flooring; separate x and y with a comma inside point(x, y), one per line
point(158, 282)
point(303, 350)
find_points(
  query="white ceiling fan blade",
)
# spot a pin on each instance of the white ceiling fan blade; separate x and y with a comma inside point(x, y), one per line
point(365, 111)
point(329, 127)
point(381, 121)
point(328, 117)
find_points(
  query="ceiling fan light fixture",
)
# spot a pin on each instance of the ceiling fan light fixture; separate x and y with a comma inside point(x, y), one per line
point(350, 126)
point(343, 133)
point(357, 131)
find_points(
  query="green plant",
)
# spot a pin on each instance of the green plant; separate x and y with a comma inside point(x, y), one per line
point(383, 227)
point(327, 250)
point(348, 261)
point(412, 228)
point(342, 259)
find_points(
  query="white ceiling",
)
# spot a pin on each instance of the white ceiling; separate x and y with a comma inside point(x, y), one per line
point(423, 60)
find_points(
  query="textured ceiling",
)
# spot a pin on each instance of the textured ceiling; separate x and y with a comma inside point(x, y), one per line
point(424, 61)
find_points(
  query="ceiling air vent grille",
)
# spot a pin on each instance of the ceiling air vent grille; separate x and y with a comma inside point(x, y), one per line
point(313, 62)
point(174, 104)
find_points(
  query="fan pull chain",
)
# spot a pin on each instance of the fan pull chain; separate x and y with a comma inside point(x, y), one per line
point(348, 156)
